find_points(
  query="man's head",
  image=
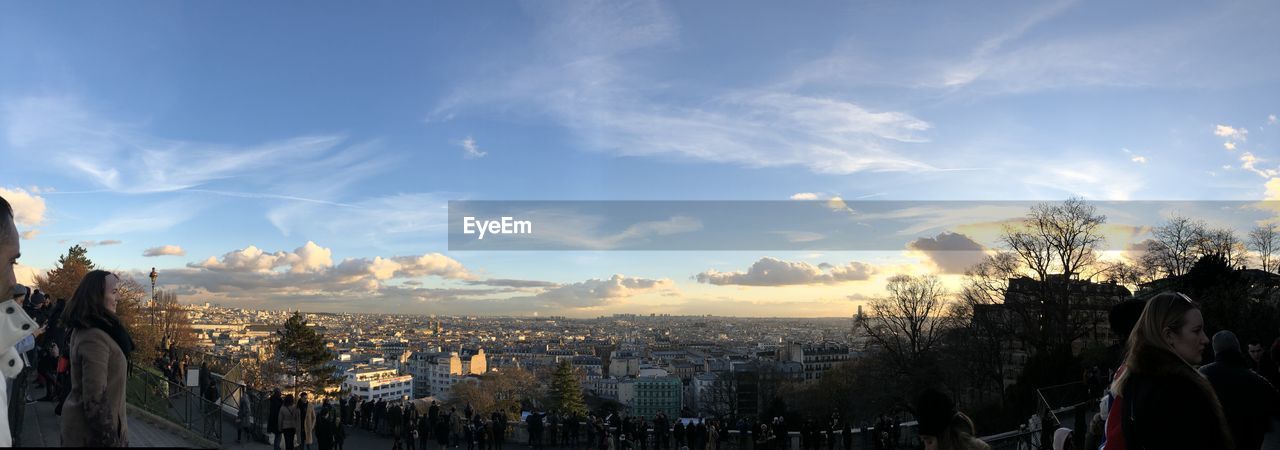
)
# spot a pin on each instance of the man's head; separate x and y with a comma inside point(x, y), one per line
point(9, 248)
point(1255, 350)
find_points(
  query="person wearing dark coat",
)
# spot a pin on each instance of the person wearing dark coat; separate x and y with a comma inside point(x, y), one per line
point(424, 431)
point(339, 435)
point(273, 419)
point(661, 428)
point(498, 427)
point(442, 432)
point(468, 433)
point(1248, 400)
point(324, 430)
point(1166, 403)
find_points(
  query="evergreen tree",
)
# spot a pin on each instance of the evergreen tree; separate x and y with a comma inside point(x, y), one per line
point(566, 392)
point(63, 280)
point(305, 358)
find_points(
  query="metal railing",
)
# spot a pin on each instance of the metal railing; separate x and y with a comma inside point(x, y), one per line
point(1014, 440)
point(173, 402)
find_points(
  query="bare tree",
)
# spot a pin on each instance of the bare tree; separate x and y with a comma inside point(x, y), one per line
point(1127, 274)
point(171, 319)
point(1265, 242)
point(1221, 242)
point(1174, 246)
point(984, 330)
point(130, 306)
point(910, 320)
point(719, 400)
point(1055, 244)
point(1058, 239)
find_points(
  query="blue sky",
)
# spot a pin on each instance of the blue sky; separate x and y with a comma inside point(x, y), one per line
point(214, 127)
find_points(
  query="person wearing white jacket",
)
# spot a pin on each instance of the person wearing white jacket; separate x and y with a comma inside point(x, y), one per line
point(14, 322)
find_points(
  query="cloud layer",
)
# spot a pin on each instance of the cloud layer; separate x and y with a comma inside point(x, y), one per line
point(584, 75)
point(949, 252)
point(769, 271)
point(164, 250)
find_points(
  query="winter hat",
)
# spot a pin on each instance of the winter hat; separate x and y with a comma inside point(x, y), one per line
point(933, 411)
point(1060, 438)
point(1225, 341)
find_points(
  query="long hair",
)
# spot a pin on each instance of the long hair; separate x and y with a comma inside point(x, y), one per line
point(87, 306)
point(1149, 353)
point(1167, 311)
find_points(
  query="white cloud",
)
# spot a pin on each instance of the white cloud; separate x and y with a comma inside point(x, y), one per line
point(164, 250)
point(805, 196)
point(1090, 179)
point(769, 271)
point(1231, 133)
point(1139, 159)
point(375, 220)
point(106, 242)
point(472, 151)
point(28, 208)
point(308, 258)
point(596, 292)
point(584, 75)
point(1250, 162)
point(1231, 146)
point(838, 204)
point(30, 234)
point(122, 157)
point(576, 230)
point(61, 134)
point(1271, 119)
point(310, 268)
point(1272, 190)
point(801, 236)
point(155, 216)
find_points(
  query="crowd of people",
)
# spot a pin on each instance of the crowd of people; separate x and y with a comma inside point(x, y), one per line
point(1163, 392)
point(1162, 395)
point(76, 349)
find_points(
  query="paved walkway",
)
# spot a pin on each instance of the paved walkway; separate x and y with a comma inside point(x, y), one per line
point(41, 428)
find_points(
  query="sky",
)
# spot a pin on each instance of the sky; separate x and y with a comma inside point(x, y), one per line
point(302, 156)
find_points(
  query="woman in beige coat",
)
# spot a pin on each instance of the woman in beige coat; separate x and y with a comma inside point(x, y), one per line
point(94, 413)
point(307, 429)
point(289, 422)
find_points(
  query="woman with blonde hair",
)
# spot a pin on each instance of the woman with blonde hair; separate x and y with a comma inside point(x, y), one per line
point(1166, 403)
point(941, 426)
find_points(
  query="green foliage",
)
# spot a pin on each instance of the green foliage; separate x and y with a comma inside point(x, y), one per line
point(305, 358)
point(63, 280)
point(565, 395)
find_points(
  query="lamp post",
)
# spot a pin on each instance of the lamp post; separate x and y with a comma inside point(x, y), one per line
point(154, 275)
point(152, 308)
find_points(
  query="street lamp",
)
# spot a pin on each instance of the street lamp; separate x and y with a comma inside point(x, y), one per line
point(154, 275)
